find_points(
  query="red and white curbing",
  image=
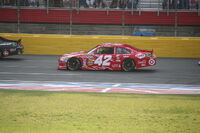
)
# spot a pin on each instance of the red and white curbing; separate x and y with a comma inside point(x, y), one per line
point(104, 87)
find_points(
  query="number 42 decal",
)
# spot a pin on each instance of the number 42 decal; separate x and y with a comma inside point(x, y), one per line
point(103, 60)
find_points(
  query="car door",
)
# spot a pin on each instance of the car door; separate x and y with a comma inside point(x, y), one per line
point(103, 58)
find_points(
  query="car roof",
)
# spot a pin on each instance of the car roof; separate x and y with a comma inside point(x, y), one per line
point(117, 45)
point(114, 45)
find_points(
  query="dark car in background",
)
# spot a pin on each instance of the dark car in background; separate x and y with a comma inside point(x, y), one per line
point(10, 47)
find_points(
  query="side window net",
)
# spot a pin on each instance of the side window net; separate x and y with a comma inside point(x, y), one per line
point(105, 50)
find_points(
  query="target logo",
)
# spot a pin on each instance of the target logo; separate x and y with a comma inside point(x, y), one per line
point(152, 62)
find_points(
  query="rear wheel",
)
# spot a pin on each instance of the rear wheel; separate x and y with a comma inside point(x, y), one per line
point(128, 65)
point(1, 54)
point(19, 52)
point(73, 64)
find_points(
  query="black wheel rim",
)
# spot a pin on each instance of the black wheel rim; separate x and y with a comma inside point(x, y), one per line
point(128, 65)
point(73, 64)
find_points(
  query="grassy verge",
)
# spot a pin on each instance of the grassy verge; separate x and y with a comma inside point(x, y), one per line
point(61, 112)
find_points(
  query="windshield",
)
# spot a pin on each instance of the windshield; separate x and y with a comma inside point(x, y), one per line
point(91, 50)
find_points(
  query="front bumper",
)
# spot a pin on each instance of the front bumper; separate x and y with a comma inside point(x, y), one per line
point(62, 66)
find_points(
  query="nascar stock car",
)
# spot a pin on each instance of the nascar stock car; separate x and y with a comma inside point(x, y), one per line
point(10, 47)
point(108, 56)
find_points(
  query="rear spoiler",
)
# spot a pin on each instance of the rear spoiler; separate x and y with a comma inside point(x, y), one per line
point(19, 40)
point(150, 51)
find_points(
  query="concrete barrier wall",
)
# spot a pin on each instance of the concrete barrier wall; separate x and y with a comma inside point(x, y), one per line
point(184, 47)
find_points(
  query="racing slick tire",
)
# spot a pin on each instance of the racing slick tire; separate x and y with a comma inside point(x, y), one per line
point(19, 52)
point(73, 64)
point(1, 54)
point(128, 65)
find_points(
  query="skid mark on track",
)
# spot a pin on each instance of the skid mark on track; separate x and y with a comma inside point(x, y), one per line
point(102, 87)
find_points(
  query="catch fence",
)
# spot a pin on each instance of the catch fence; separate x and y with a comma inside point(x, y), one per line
point(101, 17)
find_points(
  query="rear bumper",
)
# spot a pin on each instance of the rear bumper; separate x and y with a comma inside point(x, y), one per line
point(146, 62)
point(17, 52)
point(152, 62)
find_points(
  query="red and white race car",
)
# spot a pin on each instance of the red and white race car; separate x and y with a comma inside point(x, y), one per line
point(108, 56)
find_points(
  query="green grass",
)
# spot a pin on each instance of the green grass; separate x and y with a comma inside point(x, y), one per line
point(64, 112)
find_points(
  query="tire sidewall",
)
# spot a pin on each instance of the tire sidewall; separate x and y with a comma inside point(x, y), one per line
point(78, 66)
point(1, 54)
point(125, 68)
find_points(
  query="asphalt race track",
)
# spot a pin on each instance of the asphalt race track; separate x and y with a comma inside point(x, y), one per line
point(35, 70)
point(44, 68)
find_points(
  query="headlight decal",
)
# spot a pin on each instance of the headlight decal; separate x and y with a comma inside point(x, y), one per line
point(63, 59)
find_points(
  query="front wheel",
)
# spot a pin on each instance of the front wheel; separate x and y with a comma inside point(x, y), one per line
point(128, 65)
point(73, 64)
